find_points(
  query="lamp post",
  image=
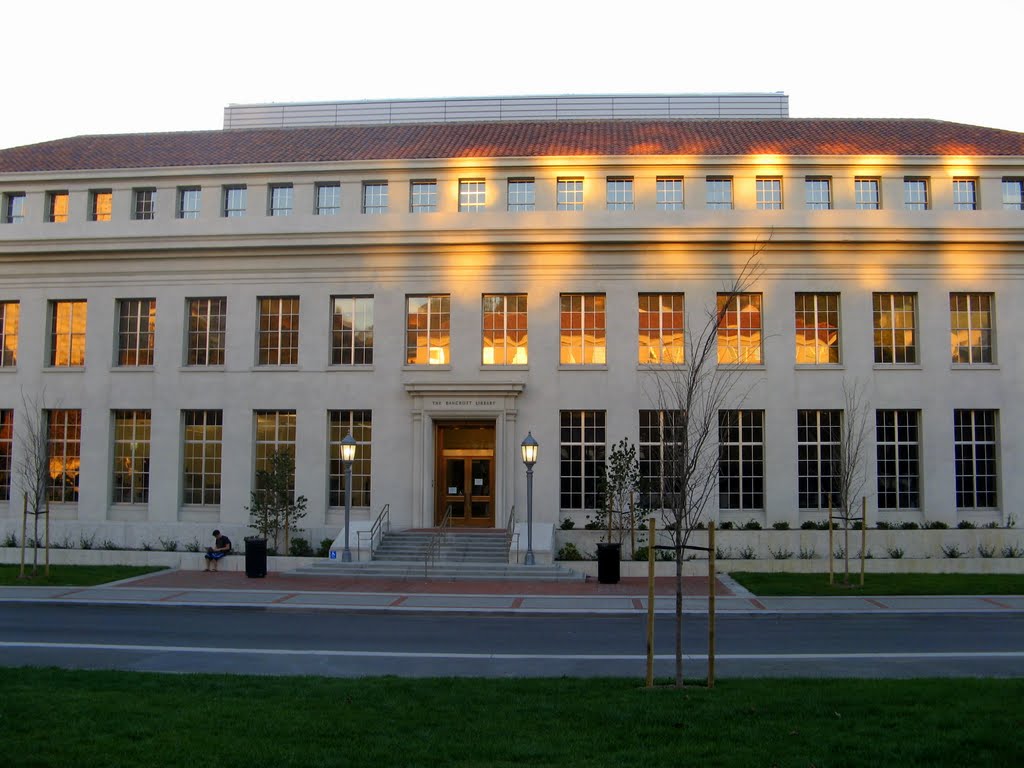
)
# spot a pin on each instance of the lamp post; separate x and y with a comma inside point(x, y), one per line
point(530, 450)
point(348, 455)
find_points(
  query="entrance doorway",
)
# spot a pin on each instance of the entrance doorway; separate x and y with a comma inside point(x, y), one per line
point(464, 479)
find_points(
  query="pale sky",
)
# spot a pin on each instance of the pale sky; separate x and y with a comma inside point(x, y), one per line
point(117, 67)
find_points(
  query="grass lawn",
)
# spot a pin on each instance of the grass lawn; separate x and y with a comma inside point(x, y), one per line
point(53, 718)
point(72, 575)
point(782, 584)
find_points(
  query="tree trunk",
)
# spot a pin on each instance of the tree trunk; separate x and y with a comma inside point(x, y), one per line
point(679, 615)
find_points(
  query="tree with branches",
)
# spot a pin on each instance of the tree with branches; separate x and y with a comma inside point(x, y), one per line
point(273, 505)
point(849, 465)
point(32, 469)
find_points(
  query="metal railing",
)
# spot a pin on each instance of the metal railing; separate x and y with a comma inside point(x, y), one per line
point(510, 534)
point(376, 533)
point(434, 546)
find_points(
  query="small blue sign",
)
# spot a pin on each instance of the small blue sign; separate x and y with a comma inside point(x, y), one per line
point(334, 555)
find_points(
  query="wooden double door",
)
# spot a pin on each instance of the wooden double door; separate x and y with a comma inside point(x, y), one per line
point(464, 479)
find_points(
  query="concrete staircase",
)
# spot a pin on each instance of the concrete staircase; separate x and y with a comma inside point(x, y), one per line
point(471, 555)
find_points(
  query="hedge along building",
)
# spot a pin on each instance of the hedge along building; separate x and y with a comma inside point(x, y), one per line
point(439, 278)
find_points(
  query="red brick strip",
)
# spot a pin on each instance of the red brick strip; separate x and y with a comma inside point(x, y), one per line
point(996, 602)
point(877, 603)
point(398, 601)
point(165, 598)
point(638, 603)
point(758, 604)
point(517, 603)
point(282, 598)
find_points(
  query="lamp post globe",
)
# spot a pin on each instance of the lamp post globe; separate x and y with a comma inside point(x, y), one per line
point(531, 451)
point(348, 455)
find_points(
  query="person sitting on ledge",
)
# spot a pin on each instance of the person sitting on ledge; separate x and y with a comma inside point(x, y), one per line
point(221, 546)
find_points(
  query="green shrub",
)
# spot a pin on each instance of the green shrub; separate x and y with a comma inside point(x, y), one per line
point(884, 525)
point(895, 553)
point(986, 551)
point(299, 547)
point(169, 545)
point(993, 524)
point(569, 552)
point(109, 545)
point(780, 525)
point(568, 524)
point(324, 550)
point(748, 553)
point(193, 546)
point(726, 526)
point(751, 525)
point(781, 553)
point(10, 540)
point(909, 525)
point(809, 525)
point(936, 525)
point(1012, 550)
point(966, 525)
point(952, 551)
point(807, 553)
point(86, 542)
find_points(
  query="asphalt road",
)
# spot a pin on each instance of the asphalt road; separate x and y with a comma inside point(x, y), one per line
point(261, 641)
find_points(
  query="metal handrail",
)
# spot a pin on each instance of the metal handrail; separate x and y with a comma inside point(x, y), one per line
point(376, 533)
point(510, 524)
point(434, 546)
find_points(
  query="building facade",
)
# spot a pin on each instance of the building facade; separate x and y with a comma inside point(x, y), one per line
point(176, 307)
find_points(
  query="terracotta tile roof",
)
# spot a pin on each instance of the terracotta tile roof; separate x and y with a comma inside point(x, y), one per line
point(790, 136)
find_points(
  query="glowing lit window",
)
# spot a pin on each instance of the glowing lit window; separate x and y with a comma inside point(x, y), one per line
point(375, 197)
point(741, 460)
point(866, 194)
point(207, 318)
point(64, 453)
point(582, 323)
point(669, 193)
point(9, 314)
point(965, 195)
point(504, 331)
point(769, 194)
point(975, 458)
point(281, 201)
point(136, 327)
point(144, 204)
point(818, 194)
point(895, 325)
point(275, 434)
point(1013, 194)
point(67, 333)
point(619, 194)
point(278, 330)
point(818, 458)
point(352, 330)
point(359, 424)
point(582, 450)
point(101, 205)
point(234, 202)
point(718, 192)
point(14, 208)
point(661, 337)
point(428, 330)
point(971, 330)
point(569, 195)
point(131, 457)
point(472, 195)
point(188, 202)
point(203, 457)
point(739, 329)
point(898, 459)
point(817, 328)
point(6, 452)
point(915, 194)
point(521, 195)
point(328, 199)
point(423, 196)
point(57, 207)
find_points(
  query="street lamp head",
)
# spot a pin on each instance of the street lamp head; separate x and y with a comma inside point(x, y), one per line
point(348, 449)
point(530, 450)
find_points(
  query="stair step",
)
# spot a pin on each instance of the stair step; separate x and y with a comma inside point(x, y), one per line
point(445, 571)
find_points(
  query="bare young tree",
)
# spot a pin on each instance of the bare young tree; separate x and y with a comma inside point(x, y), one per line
point(32, 468)
point(691, 398)
point(849, 469)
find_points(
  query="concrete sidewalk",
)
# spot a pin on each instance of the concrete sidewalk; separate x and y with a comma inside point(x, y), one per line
point(285, 591)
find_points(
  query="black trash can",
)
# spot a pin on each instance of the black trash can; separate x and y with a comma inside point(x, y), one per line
point(255, 557)
point(608, 557)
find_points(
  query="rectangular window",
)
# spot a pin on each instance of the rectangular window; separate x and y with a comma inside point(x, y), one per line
point(818, 453)
point(472, 195)
point(375, 197)
point(866, 194)
point(619, 194)
point(661, 337)
point(282, 197)
point(144, 204)
point(352, 330)
point(14, 207)
point(101, 204)
point(136, 326)
point(741, 460)
point(582, 325)
point(769, 194)
point(189, 199)
point(423, 196)
point(965, 195)
point(970, 322)
point(719, 192)
point(207, 319)
point(359, 425)
point(204, 450)
point(427, 330)
point(328, 198)
point(67, 333)
point(569, 195)
point(660, 450)
point(504, 332)
point(521, 195)
point(975, 456)
point(739, 329)
point(6, 452)
point(915, 194)
point(817, 329)
point(131, 457)
point(9, 315)
point(1013, 194)
point(275, 434)
point(234, 201)
point(898, 455)
point(818, 194)
point(669, 193)
point(64, 453)
point(278, 330)
point(895, 324)
point(57, 207)
point(582, 448)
